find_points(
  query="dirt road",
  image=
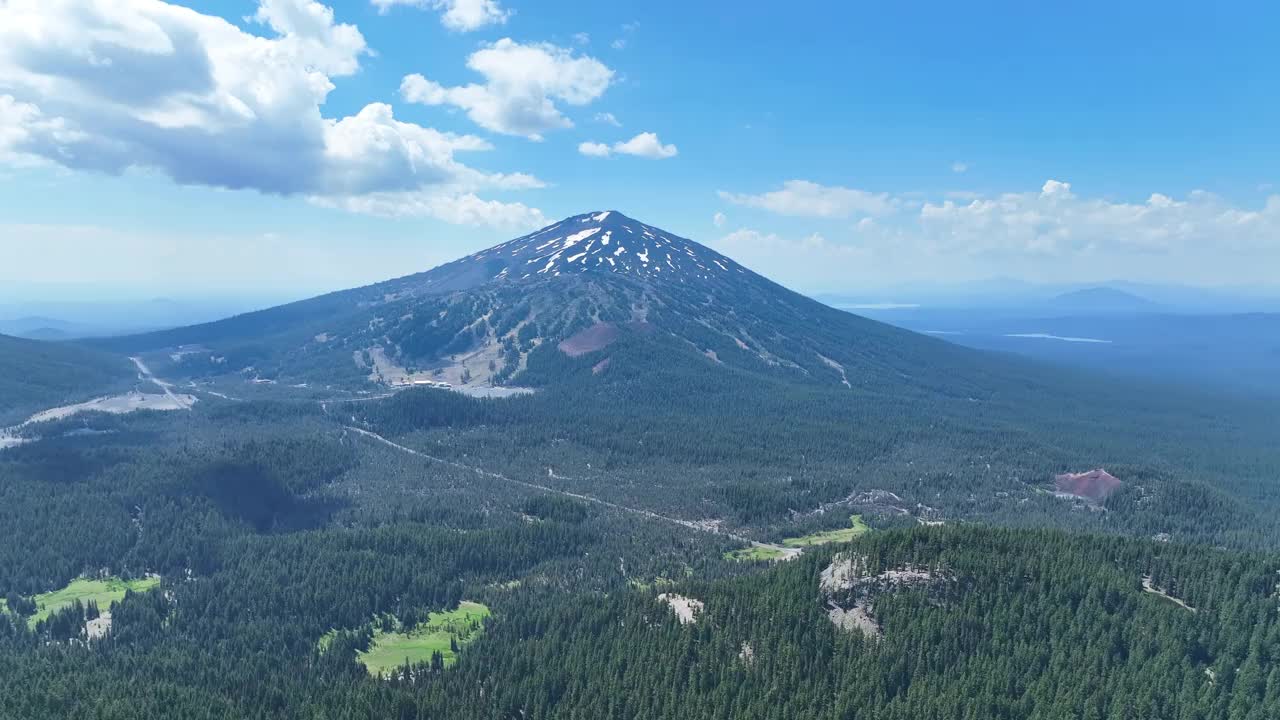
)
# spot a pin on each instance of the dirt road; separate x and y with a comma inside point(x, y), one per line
point(786, 552)
point(182, 401)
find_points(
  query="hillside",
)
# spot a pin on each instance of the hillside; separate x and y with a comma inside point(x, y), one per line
point(35, 375)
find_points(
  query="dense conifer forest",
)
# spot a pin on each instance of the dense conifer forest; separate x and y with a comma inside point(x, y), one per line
point(274, 524)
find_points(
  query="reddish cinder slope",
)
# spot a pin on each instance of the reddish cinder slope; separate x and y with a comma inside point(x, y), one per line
point(1094, 485)
point(596, 337)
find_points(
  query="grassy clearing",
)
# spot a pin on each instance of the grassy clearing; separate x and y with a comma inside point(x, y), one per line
point(755, 553)
point(391, 650)
point(857, 527)
point(103, 592)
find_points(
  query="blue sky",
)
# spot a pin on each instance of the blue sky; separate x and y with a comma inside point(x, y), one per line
point(832, 146)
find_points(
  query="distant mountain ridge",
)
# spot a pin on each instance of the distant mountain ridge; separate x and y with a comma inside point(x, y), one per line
point(1102, 300)
point(1012, 297)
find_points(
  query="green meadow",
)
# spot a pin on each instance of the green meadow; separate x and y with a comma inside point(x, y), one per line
point(103, 592)
point(757, 553)
point(754, 553)
point(391, 650)
point(857, 527)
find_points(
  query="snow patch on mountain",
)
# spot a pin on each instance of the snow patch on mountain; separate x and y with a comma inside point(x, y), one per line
point(610, 242)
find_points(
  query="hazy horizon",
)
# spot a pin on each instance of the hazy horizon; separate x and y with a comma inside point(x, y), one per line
point(74, 294)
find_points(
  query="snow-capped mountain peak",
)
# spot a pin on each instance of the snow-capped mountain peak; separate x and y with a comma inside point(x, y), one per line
point(609, 242)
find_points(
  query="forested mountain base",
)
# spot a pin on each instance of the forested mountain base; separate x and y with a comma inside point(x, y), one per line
point(771, 457)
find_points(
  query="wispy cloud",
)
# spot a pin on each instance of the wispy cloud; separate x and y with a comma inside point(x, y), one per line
point(628, 29)
point(803, 198)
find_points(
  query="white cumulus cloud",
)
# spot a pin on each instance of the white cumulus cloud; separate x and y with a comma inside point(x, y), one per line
point(1052, 233)
point(1056, 189)
point(330, 47)
point(646, 145)
point(112, 86)
point(522, 84)
point(1057, 222)
point(459, 15)
point(594, 149)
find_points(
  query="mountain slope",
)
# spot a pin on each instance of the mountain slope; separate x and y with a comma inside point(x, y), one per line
point(478, 320)
point(35, 375)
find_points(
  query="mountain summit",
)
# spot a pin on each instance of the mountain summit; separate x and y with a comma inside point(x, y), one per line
point(594, 242)
point(606, 242)
point(597, 294)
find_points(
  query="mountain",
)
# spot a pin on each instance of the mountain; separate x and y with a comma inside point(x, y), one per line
point(1103, 300)
point(45, 333)
point(669, 377)
point(37, 327)
point(570, 289)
